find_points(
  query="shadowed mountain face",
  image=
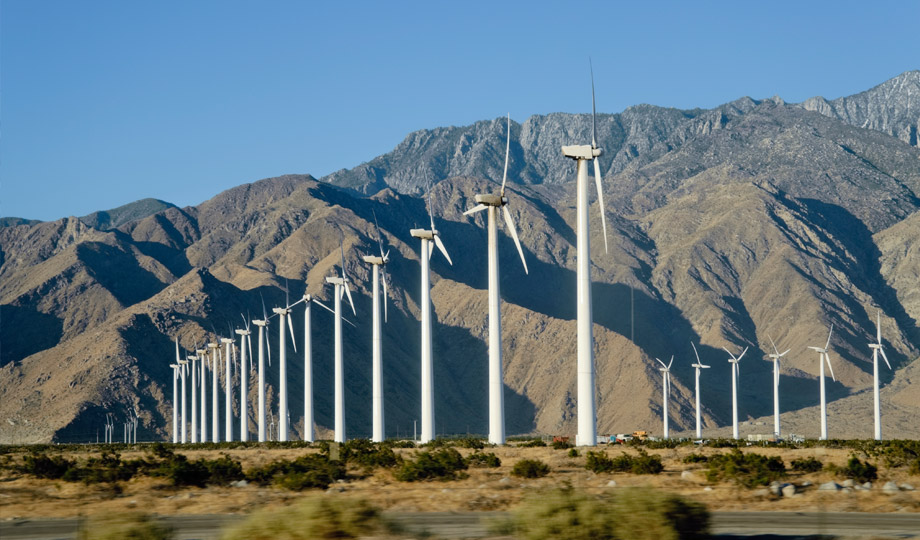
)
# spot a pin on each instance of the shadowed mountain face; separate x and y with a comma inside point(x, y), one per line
point(726, 228)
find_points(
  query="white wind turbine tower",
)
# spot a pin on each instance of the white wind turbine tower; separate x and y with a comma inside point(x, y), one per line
point(582, 154)
point(698, 365)
point(774, 357)
point(175, 402)
point(736, 375)
point(822, 358)
point(378, 433)
point(194, 369)
point(260, 417)
point(427, 237)
point(203, 357)
point(284, 316)
point(245, 347)
point(228, 392)
point(494, 204)
point(341, 289)
point(183, 370)
point(877, 348)
point(214, 350)
point(666, 392)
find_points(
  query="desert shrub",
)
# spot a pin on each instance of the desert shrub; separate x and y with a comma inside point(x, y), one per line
point(40, 465)
point(223, 470)
point(441, 464)
point(664, 444)
point(368, 454)
point(562, 445)
point(723, 443)
point(124, 526)
point(646, 464)
point(806, 465)
point(533, 443)
point(745, 469)
point(860, 471)
point(695, 458)
point(530, 468)
point(472, 443)
point(401, 444)
point(598, 462)
point(643, 463)
point(305, 472)
point(573, 452)
point(312, 517)
point(182, 472)
point(483, 459)
point(567, 514)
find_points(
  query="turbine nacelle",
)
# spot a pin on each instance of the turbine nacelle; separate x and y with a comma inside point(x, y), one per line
point(581, 151)
point(491, 200)
point(243, 332)
point(281, 311)
point(424, 234)
point(699, 366)
point(373, 259)
point(260, 322)
point(225, 341)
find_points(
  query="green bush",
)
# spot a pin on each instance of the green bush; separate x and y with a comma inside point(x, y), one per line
point(573, 452)
point(311, 517)
point(598, 462)
point(368, 454)
point(533, 443)
point(483, 459)
point(745, 469)
point(695, 458)
point(860, 471)
point(530, 468)
point(40, 465)
point(643, 463)
point(634, 514)
point(123, 526)
point(562, 445)
point(806, 465)
point(305, 472)
point(440, 464)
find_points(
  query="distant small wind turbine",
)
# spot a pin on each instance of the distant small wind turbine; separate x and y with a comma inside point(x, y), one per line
point(876, 349)
point(378, 433)
point(494, 204)
point(260, 418)
point(736, 375)
point(175, 402)
point(228, 344)
point(183, 365)
point(586, 388)
point(666, 393)
point(214, 363)
point(245, 367)
point(342, 288)
point(284, 316)
point(822, 358)
point(194, 368)
point(698, 365)
point(774, 357)
point(427, 372)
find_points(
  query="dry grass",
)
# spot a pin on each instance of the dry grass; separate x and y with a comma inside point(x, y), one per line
point(483, 489)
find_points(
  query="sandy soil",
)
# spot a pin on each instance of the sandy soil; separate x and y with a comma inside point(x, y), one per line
point(484, 489)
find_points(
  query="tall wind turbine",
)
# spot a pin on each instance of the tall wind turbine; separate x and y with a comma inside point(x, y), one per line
point(245, 366)
point(260, 417)
point(494, 204)
point(175, 402)
point(341, 288)
point(183, 370)
point(214, 354)
point(876, 349)
point(666, 392)
point(582, 154)
point(822, 358)
point(427, 237)
point(193, 359)
point(736, 375)
point(698, 365)
point(775, 356)
point(284, 316)
point(378, 433)
point(228, 391)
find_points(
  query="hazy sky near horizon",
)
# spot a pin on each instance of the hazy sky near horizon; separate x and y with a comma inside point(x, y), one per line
point(106, 102)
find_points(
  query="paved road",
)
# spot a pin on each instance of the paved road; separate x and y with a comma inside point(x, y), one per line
point(475, 525)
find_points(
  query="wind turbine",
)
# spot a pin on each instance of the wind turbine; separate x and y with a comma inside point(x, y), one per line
point(260, 418)
point(341, 288)
point(183, 370)
point(736, 375)
point(203, 358)
point(427, 371)
point(877, 348)
point(378, 433)
point(822, 358)
point(175, 403)
point(582, 154)
point(229, 344)
point(284, 315)
point(214, 350)
point(775, 356)
point(698, 365)
point(666, 392)
point(193, 359)
point(245, 347)
point(494, 204)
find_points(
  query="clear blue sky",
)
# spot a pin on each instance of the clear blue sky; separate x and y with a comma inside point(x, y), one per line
point(106, 102)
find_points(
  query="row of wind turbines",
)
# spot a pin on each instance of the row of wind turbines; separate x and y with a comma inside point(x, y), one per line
point(208, 361)
point(774, 357)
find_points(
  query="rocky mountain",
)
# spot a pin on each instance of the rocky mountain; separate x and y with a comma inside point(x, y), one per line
point(729, 227)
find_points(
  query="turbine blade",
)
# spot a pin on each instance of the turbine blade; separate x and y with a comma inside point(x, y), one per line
point(671, 362)
point(379, 240)
point(268, 347)
point(827, 358)
point(600, 200)
point(473, 210)
point(773, 344)
point(729, 352)
point(662, 363)
point(437, 242)
point(249, 346)
point(264, 311)
point(383, 279)
point(510, 223)
point(291, 328)
point(324, 306)
point(696, 353)
point(507, 149)
point(177, 350)
point(350, 302)
point(593, 108)
point(881, 350)
point(742, 354)
point(878, 326)
point(829, 338)
point(785, 352)
point(430, 215)
point(349, 322)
